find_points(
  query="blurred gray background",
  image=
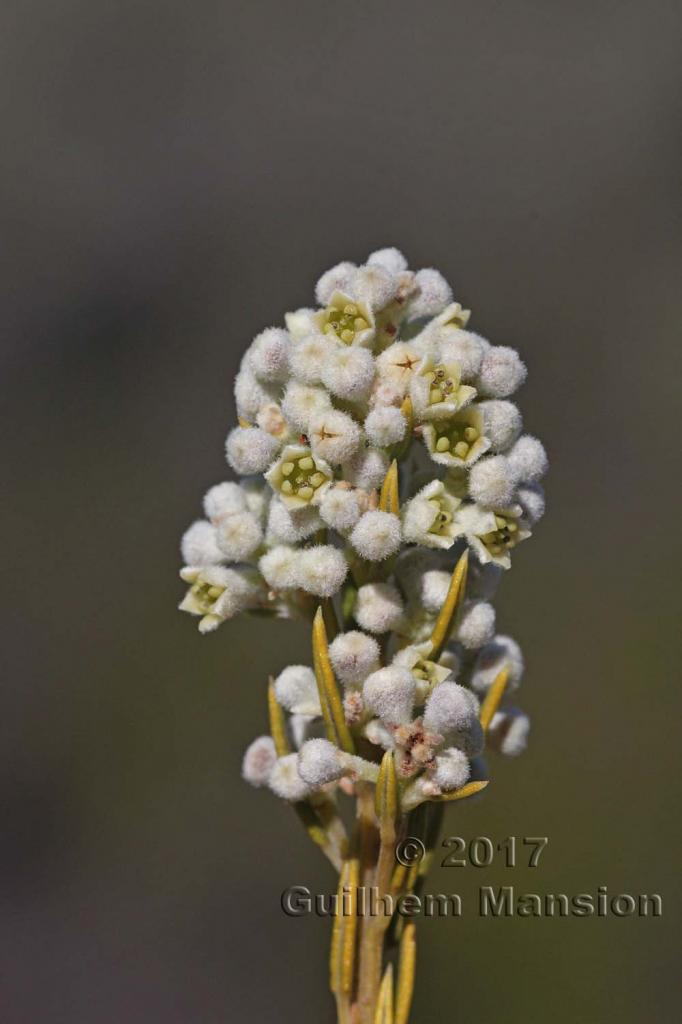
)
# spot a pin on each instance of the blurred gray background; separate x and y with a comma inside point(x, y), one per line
point(174, 177)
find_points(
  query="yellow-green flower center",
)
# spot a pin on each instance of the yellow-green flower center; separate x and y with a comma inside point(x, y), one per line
point(456, 438)
point(441, 518)
point(344, 322)
point(504, 538)
point(301, 477)
point(442, 386)
point(206, 594)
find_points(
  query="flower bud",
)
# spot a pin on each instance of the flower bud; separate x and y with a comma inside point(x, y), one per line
point(353, 656)
point(390, 693)
point(378, 607)
point(376, 535)
point(501, 373)
point(285, 780)
point(296, 690)
point(259, 760)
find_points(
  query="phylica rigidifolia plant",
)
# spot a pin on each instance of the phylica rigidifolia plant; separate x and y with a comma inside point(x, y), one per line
point(385, 482)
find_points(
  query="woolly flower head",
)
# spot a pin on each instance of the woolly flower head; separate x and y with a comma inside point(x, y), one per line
point(340, 508)
point(376, 440)
point(250, 450)
point(296, 690)
point(285, 781)
point(378, 607)
point(269, 354)
point(354, 655)
point(259, 760)
point(501, 652)
point(390, 694)
point(376, 535)
point(199, 545)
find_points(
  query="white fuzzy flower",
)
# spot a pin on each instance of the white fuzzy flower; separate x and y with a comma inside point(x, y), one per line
point(433, 295)
point(398, 363)
point(531, 498)
point(492, 482)
point(257, 497)
point(302, 402)
point(299, 477)
point(279, 567)
point(296, 690)
point(475, 624)
point(376, 286)
point(428, 517)
point(458, 441)
point(450, 709)
point(379, 734)
point(217, 593)
point(389, 693)
point(338, 279)
point(346, 320)
point(223, 500)
point(353, 656)
point(376, 535)
point(300, 323)
point(390, 259)
point(385, 425)
point(349, 372)
point(250, 450)
point(322, 570)
point(269, 354)
point(250, 395)
point(272, 420)
point(502, 423)
point(501, 652)
point(452, 770)
point(509, 731)
point(378, 607)
point(367, 468)
point(290, 526)
point(528, 459)
point(285, 780)
point(436, 390)
point(259, 760)
point(340, 508)
point(334, 436)
point(434, 587)
point(238, 536)
point(320, 762)
point(501, 373)
point(309, 356)
point(465, 348)
point(443, 326)
point(492, 535)
point(199, 546)
point(427, 673)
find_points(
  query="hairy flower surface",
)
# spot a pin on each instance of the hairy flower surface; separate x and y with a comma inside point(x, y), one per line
point(384, 483)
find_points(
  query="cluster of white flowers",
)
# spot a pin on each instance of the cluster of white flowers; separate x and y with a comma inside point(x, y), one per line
point(383, 369)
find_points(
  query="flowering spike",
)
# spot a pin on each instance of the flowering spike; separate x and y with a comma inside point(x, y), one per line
point(278, 729)
point(493, 698)
point(446, 618)
point(406, 969)
point(330, 700)
point(335, 513)
point(388, 499)
point(384, 1010)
